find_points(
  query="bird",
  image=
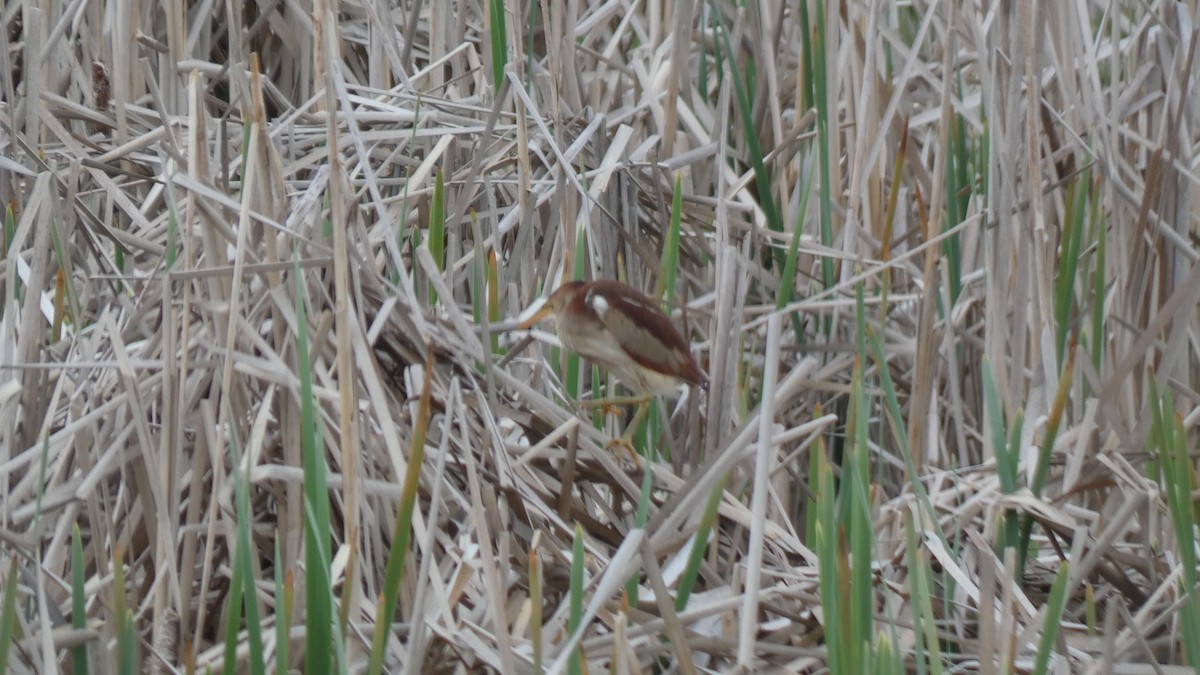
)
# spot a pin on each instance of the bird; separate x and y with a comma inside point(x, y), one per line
point(620, 328)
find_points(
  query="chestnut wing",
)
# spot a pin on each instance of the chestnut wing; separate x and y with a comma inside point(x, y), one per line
point(644, 331)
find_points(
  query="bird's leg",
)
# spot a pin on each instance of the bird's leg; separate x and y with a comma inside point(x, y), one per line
point(609, 405)
point(612, 404)
point(616, 401)
point(638, 418)
point(626, 439)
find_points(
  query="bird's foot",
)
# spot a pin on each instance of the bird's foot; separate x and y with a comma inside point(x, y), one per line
point(623, 443)
point(611, 409)
point(603, 405)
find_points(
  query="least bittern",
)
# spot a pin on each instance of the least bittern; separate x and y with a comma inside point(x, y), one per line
point(624, 331)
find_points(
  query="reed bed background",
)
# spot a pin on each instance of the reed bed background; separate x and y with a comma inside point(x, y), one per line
point(257, 412)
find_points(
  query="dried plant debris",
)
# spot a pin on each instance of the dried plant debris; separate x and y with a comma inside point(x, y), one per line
point(263, 406)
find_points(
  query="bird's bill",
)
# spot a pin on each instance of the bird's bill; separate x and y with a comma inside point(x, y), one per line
point(545, 311)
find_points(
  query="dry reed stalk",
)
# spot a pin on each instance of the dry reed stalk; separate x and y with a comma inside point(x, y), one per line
point(178, 178)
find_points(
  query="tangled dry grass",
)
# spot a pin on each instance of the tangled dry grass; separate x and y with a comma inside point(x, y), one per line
point(193, 187)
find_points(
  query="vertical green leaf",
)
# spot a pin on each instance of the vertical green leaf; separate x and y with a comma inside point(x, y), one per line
point(8, 616)
point(318, 587)
point(437, 230)
point(497, 23)
point(79, 657)
point(575, 609)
